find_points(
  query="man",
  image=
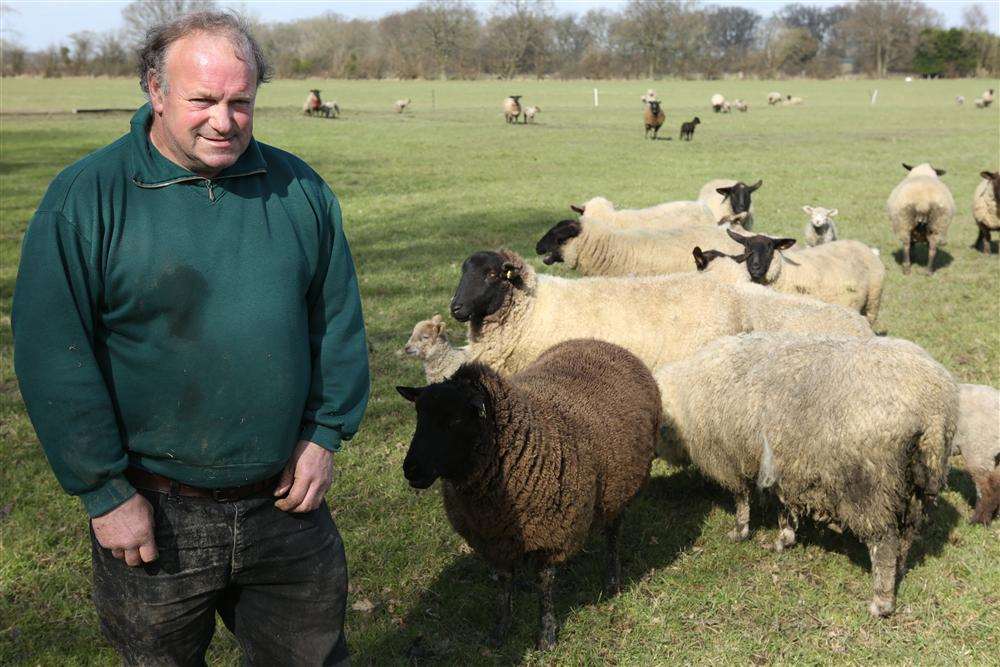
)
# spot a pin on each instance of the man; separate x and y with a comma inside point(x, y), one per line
point(190, 347)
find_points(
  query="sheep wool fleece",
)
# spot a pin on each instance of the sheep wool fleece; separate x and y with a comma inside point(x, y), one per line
point(195, 327)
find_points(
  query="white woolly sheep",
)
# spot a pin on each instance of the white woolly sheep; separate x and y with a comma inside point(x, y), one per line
point(987, 97)
point(960, 100)
point(741, 105)
point(793, 101)
point(725, 196)
point(798, 416)
point(979, 103)
point(821, 228)
point(920, 209)
point(986, 209)
point(774, 98)
point(529, 113)
point(665, 215)
point(429, 343)
point(400, 105)
point(978, 440)
point(514, 314)
point(512, 109)
point(717, 101)
point(329, 109)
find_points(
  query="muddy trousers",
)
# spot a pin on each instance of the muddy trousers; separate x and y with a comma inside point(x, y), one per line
point(277, 580)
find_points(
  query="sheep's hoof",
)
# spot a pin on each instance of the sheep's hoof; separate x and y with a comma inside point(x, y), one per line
point(738, 534)
point(880, 607)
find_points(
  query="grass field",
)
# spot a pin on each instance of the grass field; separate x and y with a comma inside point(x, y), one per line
point(420, 192)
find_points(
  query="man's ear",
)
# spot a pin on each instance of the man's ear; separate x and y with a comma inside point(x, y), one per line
point(156, 91)
point(410, 393)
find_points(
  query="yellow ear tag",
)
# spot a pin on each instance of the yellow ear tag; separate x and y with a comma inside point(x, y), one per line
point(510, 274)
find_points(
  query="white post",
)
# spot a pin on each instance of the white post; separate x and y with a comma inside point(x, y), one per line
point(874, 96)
point(596, 102)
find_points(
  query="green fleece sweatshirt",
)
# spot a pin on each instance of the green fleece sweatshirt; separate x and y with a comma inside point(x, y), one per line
point(197, 328)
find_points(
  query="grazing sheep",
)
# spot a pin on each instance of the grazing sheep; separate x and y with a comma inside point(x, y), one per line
point(774, 98)
point(821, 228)
point(920, 209)
point(987, 97)
point(654, 117)
point(430, 344)
point(793, 101)
point(514, 314)
point(595, 249)
point(649, 96)
point(312, 103)
point(687, 129)
point(741, 106)
point(717, 101)
point(531, 464)
point(512, 109)
point(529, 113)
point(986, 209)
point(329, 109)
point(668, 214)
point(979, 103)
point(978, 440)
point(725, 196)
point(846, 273)
point(960, 100)
point(400, 105)
point(853, 432)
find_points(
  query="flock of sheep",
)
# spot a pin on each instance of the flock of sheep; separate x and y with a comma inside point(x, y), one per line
point(315, 106)
point(692, 337)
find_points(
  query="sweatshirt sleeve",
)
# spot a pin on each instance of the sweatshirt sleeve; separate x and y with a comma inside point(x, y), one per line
point(338, 391)
point(56, 300)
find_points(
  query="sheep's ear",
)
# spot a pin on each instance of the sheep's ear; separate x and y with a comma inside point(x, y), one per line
point(907, 167)
point(939, 172)
point(756, 186)
point(410, 393)
point(988, 175)
point(740, 258)
point(783, 244)
point(511, 272)
point(739, 238)
point(576, 209)
point(436, 319)
point(808, 210)
point(439, 327)
point(832, 213)
point(725, 192)
point(479, 404)
point(700, 260)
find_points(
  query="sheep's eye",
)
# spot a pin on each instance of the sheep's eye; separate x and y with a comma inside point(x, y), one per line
point(424, 337)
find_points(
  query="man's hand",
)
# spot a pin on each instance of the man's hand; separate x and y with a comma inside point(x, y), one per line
point(305, 479)
point(128, 531)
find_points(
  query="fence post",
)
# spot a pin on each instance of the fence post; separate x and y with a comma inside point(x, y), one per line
point(596, 101)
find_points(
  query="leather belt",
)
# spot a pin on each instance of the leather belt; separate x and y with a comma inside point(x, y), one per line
point(150, 481)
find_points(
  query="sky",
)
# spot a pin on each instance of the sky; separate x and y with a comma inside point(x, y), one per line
point(37, 24)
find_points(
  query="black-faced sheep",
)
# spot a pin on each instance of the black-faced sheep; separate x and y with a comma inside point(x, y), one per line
point(821, 228)
point(687, 129)
point(774, 98)
point(429, 343)
point(793, 101)
point(531, 464)
point(667, 214)
point(512, 109)
point(725, 196)
point(920, 209)
point(400, 105)
point(654, 117)
point(978, 440)
point(987, 98)
point(718, 101)
point(986, 209)
point(312, 103)
point(854, 432)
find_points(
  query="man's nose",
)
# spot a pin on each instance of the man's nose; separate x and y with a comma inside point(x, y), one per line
point(222, 120)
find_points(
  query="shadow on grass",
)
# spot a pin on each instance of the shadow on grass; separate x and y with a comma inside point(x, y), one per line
point(960, 481)
point(918, 255)
point(451, 622)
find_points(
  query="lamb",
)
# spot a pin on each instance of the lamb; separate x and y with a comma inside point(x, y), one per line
point(846, 273)
point(687, 129)
point(532, 463)
point(821, 228)
point(978, 440)
point(960, 100)
point(793, 101)
point(329, 109)
point(430, 344)
point(726, 107)
point(718, 100)
point(400, 105)
point(980, 103)
point(986, 209)
point(725, 196)
point(653, 117)
point(668, 214)
point(312, 103)
point(529, 113)
point(741, 106)
point(595, 249)
point(774, 98)
point(920, 209)
point(793, 414)
point(514, 315)
point(512, 108)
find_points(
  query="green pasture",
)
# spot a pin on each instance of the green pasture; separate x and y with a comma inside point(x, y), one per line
point(421, 191)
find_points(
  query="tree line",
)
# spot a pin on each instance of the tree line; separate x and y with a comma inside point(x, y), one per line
point(450, 39)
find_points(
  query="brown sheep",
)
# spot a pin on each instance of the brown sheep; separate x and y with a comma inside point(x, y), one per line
point(530, 464)
point(512, 109)
point(654, 117)
point(312, 103)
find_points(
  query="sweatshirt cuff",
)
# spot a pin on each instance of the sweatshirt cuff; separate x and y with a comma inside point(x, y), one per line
point(325, 437)
point(108, 496)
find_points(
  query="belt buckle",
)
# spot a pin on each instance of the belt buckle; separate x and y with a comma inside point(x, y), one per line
point(223, 495)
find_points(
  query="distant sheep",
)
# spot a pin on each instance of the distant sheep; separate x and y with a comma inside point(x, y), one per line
point(531, 464)
point(980, 103)
point(400, 105)
point(986, 209)
point(668, 214)
point(821, 228)
point(978, 440)
point(920, 209)
point(960, 100)
point(329, 109)
point(512, 109)
point(717, 102)
point(725, 196)
point(430, 344)
point(529, 113)
point(987, 97)
point(741, 105)
point(851, 432)
point(687, 129)
point(793, 101)
point(313, 102)
point(653, 117)
point(774, 98)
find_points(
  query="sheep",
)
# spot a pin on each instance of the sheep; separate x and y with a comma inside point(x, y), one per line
point(986, 209)
point(529, 113)
point(979, 103)
point(329, 109)
point(774, 98)
point(531, 464)
point(717, 101)
point(649, 96)
point(653, 117)
point(846, 273)
point(312, 103)
point(725, 196)
point(741, 106)
point(960, 100)
point(920, 209)
point(430, 344)
point(853, 432)
point(687, 129)
point(978, 441)
point(512, 108)
point(400, 105)
point(514, 315)
point(821, 228)
point(987, 97)
point(595, 249)
point(668, 214)
point(793, 101)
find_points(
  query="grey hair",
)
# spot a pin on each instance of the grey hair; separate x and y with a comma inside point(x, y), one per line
point(153, 52)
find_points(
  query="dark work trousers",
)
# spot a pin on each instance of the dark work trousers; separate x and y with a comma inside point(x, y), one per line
point(278, 580)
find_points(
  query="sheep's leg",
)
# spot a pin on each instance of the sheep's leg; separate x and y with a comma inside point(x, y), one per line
point(504, 607)
point(884, 554)
point(914, 515)
point(547, 626)
point(788, 522)
point(742, 529)
point(988, 497)
point(906, 256)
point(931, 254)
point(613, 566)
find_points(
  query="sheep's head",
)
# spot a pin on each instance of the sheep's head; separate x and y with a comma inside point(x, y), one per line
point(696, 121)
point(487, 279)
point(924, 169)
point(654, 107)
point(314, 91)
point(738, 195)
point(994, 178)
point(515, 97)
point(426, 335)
point(819, 216)
point(551, 245)
point(759, 253)
point(450, 421)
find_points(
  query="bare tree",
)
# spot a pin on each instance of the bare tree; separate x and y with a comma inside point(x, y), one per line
point(886, 32)
point(517, 36)
point(731, 33)
point(141, 15)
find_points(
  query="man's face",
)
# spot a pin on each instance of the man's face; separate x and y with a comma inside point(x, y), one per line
point(203, 114)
